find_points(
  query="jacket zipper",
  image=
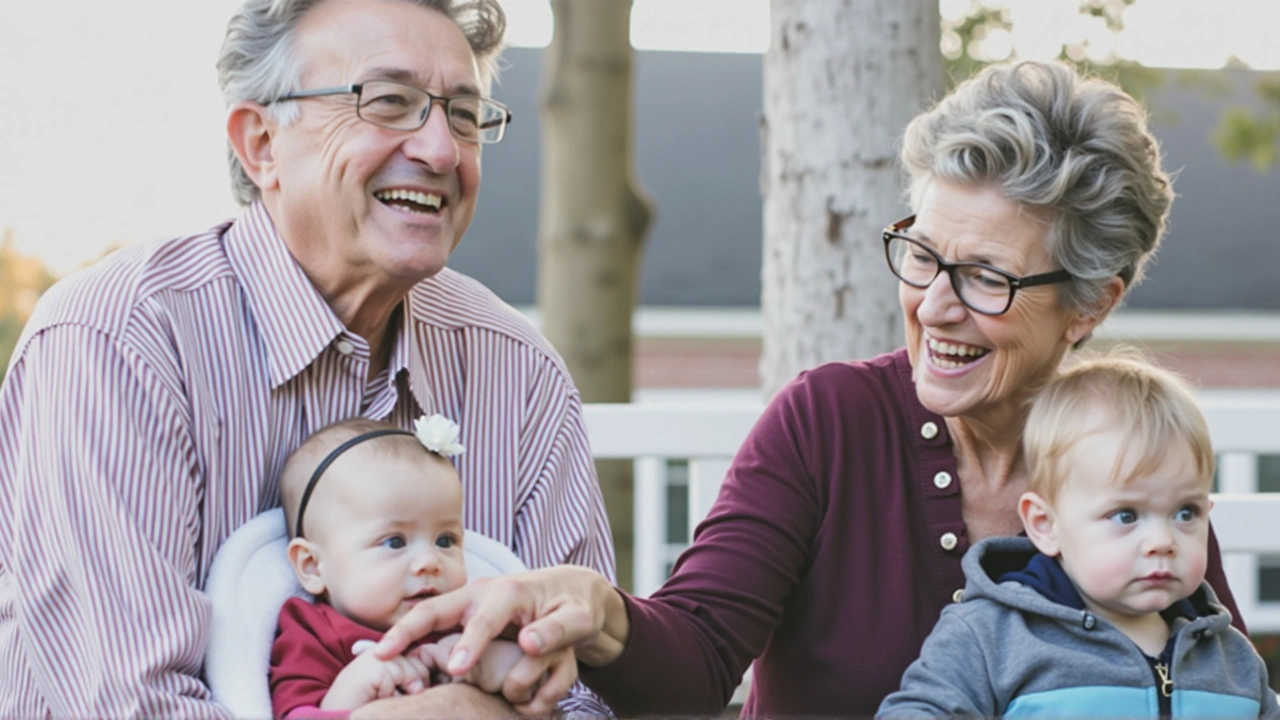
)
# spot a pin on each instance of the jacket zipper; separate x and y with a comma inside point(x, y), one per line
point(1165, 684)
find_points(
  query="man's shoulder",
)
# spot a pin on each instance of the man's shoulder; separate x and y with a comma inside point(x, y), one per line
point(452, 301)
point(108, 294)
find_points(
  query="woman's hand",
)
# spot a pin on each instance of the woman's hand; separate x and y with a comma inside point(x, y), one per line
point(553, 609)
point(504, 665)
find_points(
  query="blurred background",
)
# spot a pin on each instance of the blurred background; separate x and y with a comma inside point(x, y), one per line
point(111, 133)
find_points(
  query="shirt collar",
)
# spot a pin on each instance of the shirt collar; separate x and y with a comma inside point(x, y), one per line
point(294, 321)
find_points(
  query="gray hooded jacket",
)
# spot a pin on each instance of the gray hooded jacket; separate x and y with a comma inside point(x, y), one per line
point(1007, 650)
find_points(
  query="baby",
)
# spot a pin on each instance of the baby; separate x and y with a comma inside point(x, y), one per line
point(375, 521)
point(1111, 617)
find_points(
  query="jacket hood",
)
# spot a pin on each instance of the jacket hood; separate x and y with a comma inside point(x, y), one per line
point(994, 564)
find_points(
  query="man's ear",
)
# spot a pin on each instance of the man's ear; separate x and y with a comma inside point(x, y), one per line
point(1083, 324)
point(1038, 520)
point(250, 131)
point(305, 559)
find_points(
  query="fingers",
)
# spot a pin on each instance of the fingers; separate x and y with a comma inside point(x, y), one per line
point(562, 628)
point(505, 601)
point(437, 613)
point(549, 686)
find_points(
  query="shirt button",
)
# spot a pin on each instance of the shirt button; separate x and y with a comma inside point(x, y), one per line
point(345, 347)
point(942, 480)
point(958, 595)
point(929, 430)
point(948, 541)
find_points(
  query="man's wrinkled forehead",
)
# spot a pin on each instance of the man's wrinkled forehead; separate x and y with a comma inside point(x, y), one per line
point(353, 41)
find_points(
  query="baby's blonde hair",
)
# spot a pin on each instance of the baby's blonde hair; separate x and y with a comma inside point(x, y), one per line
point(1151, 406)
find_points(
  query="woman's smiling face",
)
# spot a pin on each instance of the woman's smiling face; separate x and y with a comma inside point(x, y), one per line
point(966, 363)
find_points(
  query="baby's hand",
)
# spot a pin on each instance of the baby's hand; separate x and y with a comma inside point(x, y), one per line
point(491, 670)
point(367, 678)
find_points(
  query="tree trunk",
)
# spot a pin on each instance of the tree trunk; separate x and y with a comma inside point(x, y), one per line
point(841, 81)
point(593, 219)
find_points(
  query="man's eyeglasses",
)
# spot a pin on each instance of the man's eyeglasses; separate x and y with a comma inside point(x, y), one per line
point(398, 106)
point(981, 287)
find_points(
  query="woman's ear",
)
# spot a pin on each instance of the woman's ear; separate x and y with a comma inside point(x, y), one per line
point(250, 131)
point(305, 560)
point(1039, 522)
point(1083, 323)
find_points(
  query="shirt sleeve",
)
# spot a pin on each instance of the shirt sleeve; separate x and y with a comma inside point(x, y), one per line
point(100, 528)
point(693, 639)
point(563, 521)
point(949, 678)
point(303, 664)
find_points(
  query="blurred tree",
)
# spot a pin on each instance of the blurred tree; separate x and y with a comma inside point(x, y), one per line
point(981, 36)
point(592, 220)
point(841, 81)
point(1244, 135)
point(22, 279)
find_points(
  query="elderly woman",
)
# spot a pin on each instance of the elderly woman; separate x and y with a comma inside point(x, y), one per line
point(837, 536)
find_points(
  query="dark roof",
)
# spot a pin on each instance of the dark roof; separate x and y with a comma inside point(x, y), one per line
point(697, 152)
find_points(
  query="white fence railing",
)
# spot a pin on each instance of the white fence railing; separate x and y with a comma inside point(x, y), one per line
point(1244, 427)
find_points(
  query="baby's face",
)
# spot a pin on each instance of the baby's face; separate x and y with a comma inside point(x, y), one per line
point(388, 533)
point(1131, 547)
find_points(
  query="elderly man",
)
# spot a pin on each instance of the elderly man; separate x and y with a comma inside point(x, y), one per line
point(153, 398)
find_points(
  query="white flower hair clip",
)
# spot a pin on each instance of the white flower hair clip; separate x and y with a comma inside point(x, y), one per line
point(438, 434)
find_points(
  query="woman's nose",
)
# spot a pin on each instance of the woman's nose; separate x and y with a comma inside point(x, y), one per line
point(941, 305)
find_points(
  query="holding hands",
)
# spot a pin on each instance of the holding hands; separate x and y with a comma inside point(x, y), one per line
point(561, 615)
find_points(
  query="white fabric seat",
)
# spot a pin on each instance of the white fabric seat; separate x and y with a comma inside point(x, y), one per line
point(248, 583)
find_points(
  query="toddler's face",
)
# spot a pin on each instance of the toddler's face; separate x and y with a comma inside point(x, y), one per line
point(387, 533)
point(1131, 548)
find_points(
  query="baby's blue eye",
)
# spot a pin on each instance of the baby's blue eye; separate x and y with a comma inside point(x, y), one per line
point(1187, 514)
point(395, 542)
point(446, 541)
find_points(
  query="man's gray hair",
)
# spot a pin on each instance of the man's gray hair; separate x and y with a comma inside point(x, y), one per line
point(1076, 148)
point(257, 62)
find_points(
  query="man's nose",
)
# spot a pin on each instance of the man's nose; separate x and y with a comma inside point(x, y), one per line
point(433, 144)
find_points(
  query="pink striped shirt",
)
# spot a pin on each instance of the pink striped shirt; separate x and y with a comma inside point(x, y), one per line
point(149, 406)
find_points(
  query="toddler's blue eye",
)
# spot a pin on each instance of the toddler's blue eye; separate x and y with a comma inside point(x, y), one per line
point(446, 541)
point(1186, 514)
point(1125, 517)
point(395, 542)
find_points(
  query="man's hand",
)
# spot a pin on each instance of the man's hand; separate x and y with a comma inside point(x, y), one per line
point(455, 700)
point(555, 609)
point(368, 678)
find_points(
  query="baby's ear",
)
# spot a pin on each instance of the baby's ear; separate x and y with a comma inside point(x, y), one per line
point(305, 560)
point(1038, 520)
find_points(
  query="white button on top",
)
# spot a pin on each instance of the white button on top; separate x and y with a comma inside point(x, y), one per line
point(948, 541)
point(929, 430)
point(958, 595)
point(345, 347)
point(942, 480)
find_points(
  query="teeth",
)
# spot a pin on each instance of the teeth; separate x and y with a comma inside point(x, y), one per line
point(947, 348)
point(430, 200)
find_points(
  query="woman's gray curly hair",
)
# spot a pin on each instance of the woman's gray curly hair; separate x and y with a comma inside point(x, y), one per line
point(1050, 139)
point(257, 61)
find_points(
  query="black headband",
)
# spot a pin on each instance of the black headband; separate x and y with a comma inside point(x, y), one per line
point(328, 460)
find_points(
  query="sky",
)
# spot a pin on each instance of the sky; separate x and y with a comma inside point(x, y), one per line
point(111, 123)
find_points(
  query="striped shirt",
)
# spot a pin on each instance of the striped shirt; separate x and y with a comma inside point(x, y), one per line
point(151, 403)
